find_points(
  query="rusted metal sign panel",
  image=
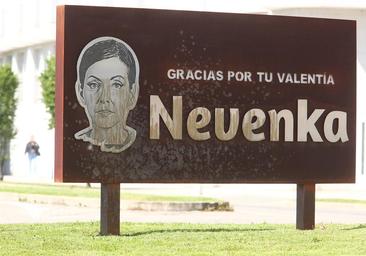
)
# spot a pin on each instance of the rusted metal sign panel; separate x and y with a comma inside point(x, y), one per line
point(176, 96)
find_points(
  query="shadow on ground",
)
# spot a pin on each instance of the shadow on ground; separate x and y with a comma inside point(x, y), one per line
point(160, 231)
point(361, 226)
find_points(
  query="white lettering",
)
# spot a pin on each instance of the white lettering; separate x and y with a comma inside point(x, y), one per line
point(249, 125)
point(341, 133)
point(306, 125)
point(158, 110)
point(275, 119)
point(219, 124)
point(171, 74)
point(334, 126)
point(193, 124)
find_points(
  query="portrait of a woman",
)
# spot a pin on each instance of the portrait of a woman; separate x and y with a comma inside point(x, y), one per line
point(107, 87)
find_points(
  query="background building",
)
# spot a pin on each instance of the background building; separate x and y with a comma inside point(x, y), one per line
point(27, 40)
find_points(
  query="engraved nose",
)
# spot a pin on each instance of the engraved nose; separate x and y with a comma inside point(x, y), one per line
point(105, 96)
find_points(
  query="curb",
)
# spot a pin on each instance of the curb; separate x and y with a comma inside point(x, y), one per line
point(125, 204)
point(176, 206)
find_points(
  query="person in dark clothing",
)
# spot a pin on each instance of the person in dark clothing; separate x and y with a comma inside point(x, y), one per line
point(32, 149)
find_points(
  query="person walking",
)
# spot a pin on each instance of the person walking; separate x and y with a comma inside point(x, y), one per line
point(32, 149)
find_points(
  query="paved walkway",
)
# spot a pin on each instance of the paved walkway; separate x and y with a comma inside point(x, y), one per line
point(252, 204)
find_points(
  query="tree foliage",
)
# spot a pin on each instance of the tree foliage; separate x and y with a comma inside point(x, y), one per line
point(48, 82)
point(8, 85)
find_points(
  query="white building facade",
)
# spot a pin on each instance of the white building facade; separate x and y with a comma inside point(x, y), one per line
point(27, 40)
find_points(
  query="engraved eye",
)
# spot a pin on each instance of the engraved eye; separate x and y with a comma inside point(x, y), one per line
point(117, 84)
point(93, 85)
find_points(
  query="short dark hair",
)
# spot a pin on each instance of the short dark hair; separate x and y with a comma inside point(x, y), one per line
point(106, 49)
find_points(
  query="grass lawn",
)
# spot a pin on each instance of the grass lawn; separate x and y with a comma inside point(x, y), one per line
point(77, 191)
point(182, 239)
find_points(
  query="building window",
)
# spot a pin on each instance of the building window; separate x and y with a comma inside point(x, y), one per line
point(9, 60)
point(37, 59)
point(20, 62)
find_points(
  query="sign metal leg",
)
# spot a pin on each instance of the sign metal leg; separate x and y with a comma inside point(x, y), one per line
point(305, 206)
point(110, 209)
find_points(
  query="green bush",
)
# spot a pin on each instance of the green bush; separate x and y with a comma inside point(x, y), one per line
point(8, 85)
point(48, 83)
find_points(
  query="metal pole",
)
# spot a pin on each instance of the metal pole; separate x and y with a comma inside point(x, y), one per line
point(305, 206)
point(110, 209)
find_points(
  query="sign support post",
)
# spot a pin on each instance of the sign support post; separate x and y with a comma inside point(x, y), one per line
point(305, 206)
point(110, 209)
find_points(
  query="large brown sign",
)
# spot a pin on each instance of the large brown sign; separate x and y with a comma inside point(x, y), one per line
point(177, 96)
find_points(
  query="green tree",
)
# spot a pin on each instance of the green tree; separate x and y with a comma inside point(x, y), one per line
point(8, 85)
point(48, 83)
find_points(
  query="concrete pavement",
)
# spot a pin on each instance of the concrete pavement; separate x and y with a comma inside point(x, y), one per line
point(251, 203)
